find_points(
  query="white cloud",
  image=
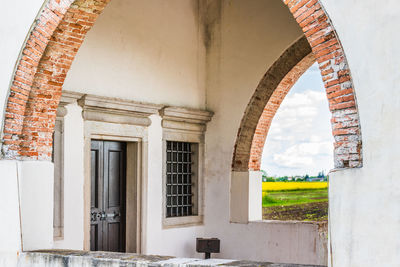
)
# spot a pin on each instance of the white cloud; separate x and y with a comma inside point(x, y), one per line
point(301, 155)
point(303, 99)
point(297, 111)
point(300, 139)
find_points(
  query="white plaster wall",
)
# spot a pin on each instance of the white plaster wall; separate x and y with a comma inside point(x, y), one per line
point(253, 35)
point(10, 231)
point(36, 181)
point(26, 194)
point(245, 196)
point(148, 51)
point(181, 241)
point(365, 214)
point(364, 217)
point(255, 195)
point(15, 21)
point(73, 180)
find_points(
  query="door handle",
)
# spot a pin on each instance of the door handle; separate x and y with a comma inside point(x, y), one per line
point(113, 215)
point(102, 216)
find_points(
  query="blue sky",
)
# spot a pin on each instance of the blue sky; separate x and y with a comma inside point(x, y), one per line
point(300, 138)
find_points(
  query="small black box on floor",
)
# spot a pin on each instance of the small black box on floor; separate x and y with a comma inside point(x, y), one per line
point(207, 246)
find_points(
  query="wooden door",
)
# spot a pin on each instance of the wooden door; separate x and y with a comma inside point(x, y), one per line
point(108, 187)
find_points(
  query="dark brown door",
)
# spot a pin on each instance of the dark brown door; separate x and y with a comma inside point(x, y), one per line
point(108, 180)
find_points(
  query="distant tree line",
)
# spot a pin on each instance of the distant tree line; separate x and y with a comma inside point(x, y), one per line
point(298, 178)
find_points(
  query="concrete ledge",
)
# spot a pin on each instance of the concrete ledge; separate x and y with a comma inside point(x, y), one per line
point(61, 258)
point(317, 223)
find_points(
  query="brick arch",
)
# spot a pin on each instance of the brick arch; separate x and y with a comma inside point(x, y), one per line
point(52, 45)
point(270, 109)
point(321, 39)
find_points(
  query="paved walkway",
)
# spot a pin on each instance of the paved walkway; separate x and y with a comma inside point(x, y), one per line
point(64, 258)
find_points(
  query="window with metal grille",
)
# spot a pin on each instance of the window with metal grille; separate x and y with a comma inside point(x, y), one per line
point(181, 179)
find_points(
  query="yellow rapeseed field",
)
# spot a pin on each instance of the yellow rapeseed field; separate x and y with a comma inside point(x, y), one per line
point(278, 186)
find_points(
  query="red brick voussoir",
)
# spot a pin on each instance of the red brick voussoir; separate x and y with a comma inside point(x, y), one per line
point(53, 42)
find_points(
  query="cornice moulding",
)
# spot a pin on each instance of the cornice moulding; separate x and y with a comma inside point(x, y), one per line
point(118, 104)
point(69, 97)
point(184, 119)
point(186, 115)
point(116, 110)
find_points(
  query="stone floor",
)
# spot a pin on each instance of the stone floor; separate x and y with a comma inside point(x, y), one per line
point(63, 258)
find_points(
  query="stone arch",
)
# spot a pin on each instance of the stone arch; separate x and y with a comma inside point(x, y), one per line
point(320, 42)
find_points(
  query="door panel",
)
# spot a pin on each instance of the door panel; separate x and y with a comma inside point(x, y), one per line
point(113, 233)
point(108, 183)
point(96, 205)
point(94, 237)
point(114, 179)
point(94, 177)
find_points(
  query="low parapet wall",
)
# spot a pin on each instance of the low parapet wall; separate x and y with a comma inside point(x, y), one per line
point(62, 258)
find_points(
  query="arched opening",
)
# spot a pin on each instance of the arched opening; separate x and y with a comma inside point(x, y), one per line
point(297, 154)
point(272, 107)
point(320, 43)
point(327, 51)
point(56, 38)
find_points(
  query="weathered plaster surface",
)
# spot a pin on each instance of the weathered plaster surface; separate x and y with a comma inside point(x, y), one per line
point(81, 258)
point(150, 45)
point(363, 200)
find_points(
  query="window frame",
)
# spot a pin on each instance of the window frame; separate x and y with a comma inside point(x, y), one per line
point(198, 140)
point(193, 176)
point(58, 161)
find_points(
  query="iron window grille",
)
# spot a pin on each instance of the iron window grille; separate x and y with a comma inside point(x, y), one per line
point(181, 195)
